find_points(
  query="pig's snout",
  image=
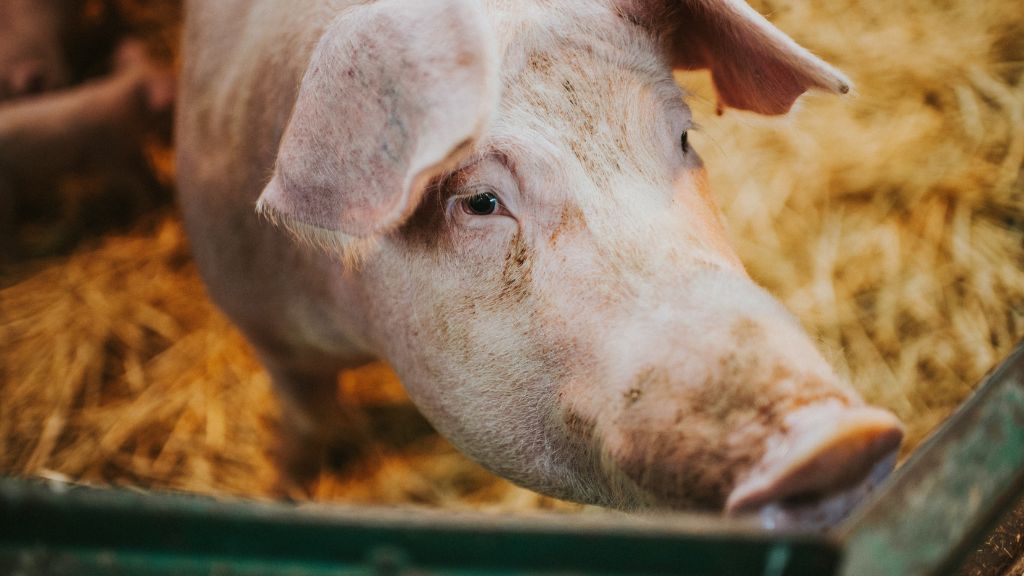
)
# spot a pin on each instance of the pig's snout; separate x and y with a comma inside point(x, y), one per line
point(26, 79)
point(735, 409)
point(820, 466)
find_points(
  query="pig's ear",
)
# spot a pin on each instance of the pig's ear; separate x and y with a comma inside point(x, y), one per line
point(395, 93)
point(753, 64)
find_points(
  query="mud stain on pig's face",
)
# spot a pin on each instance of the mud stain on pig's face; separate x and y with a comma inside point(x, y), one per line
point(517, 273)
point(572, 220)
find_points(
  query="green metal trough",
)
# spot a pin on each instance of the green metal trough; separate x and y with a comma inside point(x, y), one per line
point(924, 520)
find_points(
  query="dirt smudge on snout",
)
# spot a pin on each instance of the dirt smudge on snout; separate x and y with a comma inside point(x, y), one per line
point(687, 442)
point(517, 273)
point(650, 377)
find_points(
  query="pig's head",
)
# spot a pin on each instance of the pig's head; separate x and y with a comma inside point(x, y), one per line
point(32, 56)
point(541, 257)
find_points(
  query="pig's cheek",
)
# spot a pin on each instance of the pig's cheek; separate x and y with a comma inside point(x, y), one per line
point(465, 242)
point(451, 283)
point(482, 239)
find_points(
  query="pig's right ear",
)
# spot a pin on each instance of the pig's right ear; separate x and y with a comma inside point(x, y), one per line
point(753, 64)
point(396, 92)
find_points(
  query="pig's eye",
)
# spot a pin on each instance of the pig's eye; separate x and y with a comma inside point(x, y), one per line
point(483, 204)
point(684, 141)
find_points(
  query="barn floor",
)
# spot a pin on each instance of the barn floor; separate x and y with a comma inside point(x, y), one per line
point(890, 221)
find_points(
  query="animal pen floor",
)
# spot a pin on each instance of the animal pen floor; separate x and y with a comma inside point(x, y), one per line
point(891, 222)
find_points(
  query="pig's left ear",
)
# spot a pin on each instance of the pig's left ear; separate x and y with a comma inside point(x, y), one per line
point(396, 92)
point(753, 64)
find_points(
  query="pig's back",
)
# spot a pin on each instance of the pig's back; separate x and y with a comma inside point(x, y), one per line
point(242, 64)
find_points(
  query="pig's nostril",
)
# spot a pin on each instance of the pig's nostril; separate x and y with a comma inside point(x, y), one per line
point(27, 80)
point(35, 83)
point(803, 499)
point(816, 509)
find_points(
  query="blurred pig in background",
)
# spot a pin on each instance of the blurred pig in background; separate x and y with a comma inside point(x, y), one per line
point(32, 55)
point(78, 100)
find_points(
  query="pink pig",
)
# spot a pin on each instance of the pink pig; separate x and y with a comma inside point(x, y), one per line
point(499, 198)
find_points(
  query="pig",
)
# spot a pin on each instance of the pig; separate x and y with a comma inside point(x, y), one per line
point(97, 127)
point(77, 97)
point(59, 131)
point(500, 199)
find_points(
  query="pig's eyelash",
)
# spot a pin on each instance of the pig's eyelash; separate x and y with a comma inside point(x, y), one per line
point(473, 190)
point(684, 138)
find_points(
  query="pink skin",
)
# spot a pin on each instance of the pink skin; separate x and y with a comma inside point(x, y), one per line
point(594, 337)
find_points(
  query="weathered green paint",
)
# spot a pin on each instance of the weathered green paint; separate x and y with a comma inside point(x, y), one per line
point(952, 490)
point(87, 531)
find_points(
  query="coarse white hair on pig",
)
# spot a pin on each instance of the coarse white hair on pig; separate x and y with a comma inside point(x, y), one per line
point(540, 258)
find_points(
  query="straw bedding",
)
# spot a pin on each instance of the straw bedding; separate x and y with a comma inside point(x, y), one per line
point(890, 221)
